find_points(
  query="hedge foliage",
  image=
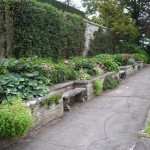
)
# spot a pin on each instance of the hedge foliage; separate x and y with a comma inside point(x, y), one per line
point(64, 7)
point(102, 43)
point(42, 30)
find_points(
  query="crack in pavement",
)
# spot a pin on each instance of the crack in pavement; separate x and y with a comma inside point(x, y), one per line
point(105, 123)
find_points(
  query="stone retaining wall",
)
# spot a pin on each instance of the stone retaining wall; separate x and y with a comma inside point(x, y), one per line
point(44, 114)
point(88, 84)
point(129, 70)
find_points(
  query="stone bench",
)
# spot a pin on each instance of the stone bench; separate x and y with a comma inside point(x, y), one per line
point(79, 93)
point(122, 74)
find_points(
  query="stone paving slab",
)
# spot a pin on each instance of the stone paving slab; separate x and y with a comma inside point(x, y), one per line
point(108, 122)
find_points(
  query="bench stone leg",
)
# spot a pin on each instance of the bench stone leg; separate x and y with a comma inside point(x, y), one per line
point(66, 104)
point(81, 97)
point(123, 76)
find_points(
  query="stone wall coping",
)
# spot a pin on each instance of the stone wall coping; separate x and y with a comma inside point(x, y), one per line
point(125, 67)
point(37, 100)
point(93, 78)
point(95, 24)
point(61, 85)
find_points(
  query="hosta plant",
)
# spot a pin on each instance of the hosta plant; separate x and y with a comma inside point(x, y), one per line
point(28, 85)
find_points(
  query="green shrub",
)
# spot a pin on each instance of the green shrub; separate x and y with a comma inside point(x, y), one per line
point(29, 85)
point(131, 48)
point(108, 61)
point(3, 65)
point(119, 59)
point(102, 57)
point(52, 99)
point(110, 83)
point(98, 70)
point(124, 59)
point(97, 86)
point(141, 57)
point(102, 43)
point(83, 75)
point(74, 34)
point(24, 77)
point(147, 128)
point(61, 73)
point(86, 64)
point(111, 65)
point(15, 118)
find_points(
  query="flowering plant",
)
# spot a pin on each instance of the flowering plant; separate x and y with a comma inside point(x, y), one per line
point(126, 58)
point(102, 66)
point(46, 67)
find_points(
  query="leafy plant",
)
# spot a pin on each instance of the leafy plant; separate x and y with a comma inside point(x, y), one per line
point(147, 129)
point(102, 43)
point(97, 86)
point(83, 75)
point(141, 57)
point(110, 83)
point(107, 60)
point(111, 65)
point(86, 64)
point(52, 99)
point(61, 73)
point(3, 65)
point(99, 70)
point(15, 118)
point(29, 85)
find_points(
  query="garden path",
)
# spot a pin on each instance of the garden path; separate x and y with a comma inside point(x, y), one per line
point(108, 122)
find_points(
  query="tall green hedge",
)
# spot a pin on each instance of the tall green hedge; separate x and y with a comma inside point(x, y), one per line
point(75, 34)
point(64, 7)
point(102, 43)
point(42, 30)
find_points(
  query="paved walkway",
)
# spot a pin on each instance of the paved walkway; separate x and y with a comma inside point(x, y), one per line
point(108, 122)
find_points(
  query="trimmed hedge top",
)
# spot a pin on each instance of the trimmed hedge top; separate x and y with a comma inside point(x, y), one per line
point(64, 7)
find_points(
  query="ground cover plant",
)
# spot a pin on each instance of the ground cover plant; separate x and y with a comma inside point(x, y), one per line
point(147, 128)
point(97, 86)
point(51, 100)
point(107, 60)
point(110, 83)
point(15, 118)
point(23, 77)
